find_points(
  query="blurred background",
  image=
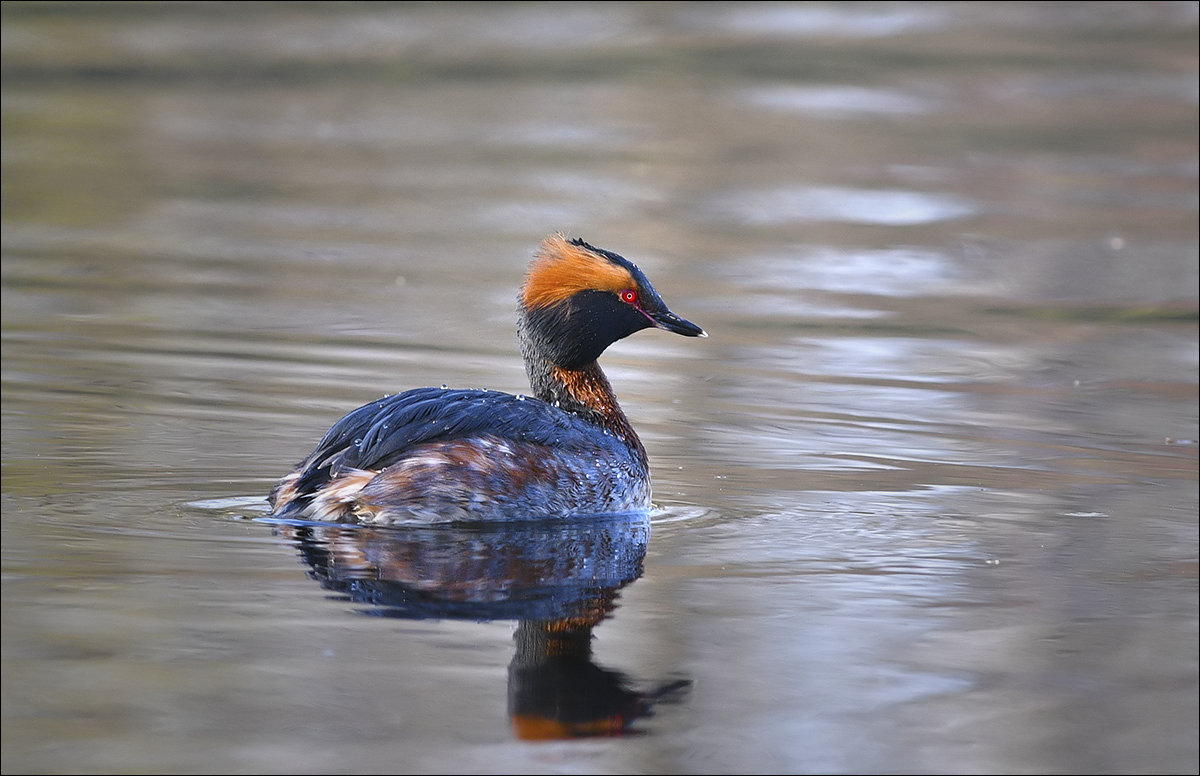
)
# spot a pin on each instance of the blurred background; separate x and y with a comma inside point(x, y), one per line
point(927, 496)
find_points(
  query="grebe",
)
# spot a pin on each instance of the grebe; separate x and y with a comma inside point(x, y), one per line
point(446, 455)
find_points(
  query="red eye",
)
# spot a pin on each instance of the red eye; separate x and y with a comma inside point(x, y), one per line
point(629, 296)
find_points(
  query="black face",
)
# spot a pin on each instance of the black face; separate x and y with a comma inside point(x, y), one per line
point(574, 333)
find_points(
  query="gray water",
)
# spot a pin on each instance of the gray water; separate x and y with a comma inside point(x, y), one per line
point(927, 496)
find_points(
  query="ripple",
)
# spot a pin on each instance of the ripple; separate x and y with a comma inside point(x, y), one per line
point(240, 503)
point(886, 207)
point(883, 272)
point(669, 515)
point(819, 20)
point(838, 101)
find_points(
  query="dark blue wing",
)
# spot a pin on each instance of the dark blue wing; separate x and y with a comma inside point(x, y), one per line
point(378, 434)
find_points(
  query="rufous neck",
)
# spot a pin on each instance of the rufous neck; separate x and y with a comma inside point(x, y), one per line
point(585, 392)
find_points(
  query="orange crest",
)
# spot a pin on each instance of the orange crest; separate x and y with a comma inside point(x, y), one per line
point(561, 269)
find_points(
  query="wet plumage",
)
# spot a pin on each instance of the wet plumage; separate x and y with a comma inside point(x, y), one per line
point(437, 454)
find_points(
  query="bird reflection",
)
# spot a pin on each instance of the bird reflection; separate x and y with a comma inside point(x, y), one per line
point(558, 579)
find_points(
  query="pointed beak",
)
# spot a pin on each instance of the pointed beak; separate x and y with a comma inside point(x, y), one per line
point(671, 322)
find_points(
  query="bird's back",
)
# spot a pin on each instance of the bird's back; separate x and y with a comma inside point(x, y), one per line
point(435, 454)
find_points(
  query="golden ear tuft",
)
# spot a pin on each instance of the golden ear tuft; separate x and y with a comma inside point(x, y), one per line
point(561, 269)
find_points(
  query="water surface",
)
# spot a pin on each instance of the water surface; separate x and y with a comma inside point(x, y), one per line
point(927, 495)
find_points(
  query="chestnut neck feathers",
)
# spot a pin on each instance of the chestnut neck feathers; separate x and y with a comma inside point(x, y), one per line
point(576, 301)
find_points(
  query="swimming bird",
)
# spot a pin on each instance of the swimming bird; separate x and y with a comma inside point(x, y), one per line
point(460, 455)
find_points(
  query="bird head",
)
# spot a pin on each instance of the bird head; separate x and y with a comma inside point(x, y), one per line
point(578, 299)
